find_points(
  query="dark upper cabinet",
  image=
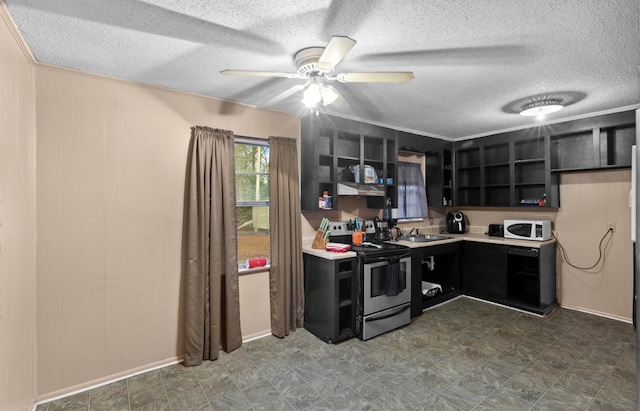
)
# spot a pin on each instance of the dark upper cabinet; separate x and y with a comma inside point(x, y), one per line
point(519, 168)
point(507, 170)
point(599, 143)
point(331, 147)
point(511, 169)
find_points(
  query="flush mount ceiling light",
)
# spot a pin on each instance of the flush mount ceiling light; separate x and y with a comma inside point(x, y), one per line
point(541, 107)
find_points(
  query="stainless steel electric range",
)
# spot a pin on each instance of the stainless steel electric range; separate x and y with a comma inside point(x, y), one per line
point(383, 280)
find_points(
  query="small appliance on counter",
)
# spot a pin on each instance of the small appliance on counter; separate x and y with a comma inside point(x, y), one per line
point(383, 229)
point(495, 230)
point(539, 230)
point(456, 222)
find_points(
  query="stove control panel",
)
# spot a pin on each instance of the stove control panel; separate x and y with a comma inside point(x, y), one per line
point(348, 227)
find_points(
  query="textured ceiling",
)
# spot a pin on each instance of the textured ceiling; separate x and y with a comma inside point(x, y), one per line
point(474, 61)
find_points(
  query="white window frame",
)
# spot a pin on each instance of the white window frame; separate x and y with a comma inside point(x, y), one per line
point(255, 142)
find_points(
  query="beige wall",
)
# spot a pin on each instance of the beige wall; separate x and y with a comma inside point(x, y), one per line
point(111, 174)
point(17, 223)
point(589, 201)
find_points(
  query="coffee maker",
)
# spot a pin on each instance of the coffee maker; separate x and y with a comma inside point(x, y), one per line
point(383, 229)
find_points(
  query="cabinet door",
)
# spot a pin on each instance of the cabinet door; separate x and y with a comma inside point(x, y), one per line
point(485, 271)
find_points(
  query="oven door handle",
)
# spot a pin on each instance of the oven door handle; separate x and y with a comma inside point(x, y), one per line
point(392, 314)
point(370, 260)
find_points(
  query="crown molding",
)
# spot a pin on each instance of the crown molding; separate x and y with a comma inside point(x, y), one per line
point(13, 29)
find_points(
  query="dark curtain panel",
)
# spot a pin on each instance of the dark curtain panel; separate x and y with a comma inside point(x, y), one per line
point(412, 192)
point(212, 303)
point(285, 276)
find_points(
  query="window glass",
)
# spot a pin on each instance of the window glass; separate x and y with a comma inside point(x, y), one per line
point(412, 195)
point(252, 200)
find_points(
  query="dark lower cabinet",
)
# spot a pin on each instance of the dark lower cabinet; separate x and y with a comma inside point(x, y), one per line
point(520, 277)
point(484, 273)
point(435, 275)
point(531, 279)
point(330, 297)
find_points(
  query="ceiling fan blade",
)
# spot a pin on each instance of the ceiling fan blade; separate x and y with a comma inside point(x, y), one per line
point(335, 51)
point(285, 94)
point(487, 55)
point(259, 73)
point(383, 77)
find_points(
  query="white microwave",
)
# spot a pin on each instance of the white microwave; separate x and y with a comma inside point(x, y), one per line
point(539, 230)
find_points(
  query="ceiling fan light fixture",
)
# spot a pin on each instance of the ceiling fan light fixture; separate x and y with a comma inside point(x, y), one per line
point(328, 95)
point(316, 92)
point(540, 108)
point(317, 64)
point(312, 95)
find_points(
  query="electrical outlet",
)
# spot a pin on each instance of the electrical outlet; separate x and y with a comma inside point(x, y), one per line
point(612, 227)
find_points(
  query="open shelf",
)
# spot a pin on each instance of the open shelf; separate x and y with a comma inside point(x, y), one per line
point(331, 147)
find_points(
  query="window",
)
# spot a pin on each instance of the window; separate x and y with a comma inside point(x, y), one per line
point(252, 199)
point(412, 194)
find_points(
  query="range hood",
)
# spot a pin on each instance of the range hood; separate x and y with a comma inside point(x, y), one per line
point(354, 189)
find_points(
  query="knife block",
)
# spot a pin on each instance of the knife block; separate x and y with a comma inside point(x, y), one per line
point(319, 242)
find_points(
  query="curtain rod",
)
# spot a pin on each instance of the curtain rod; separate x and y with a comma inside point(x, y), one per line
point(252, 140)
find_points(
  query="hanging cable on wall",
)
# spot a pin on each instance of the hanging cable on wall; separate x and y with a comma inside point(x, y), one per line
point(565, 256)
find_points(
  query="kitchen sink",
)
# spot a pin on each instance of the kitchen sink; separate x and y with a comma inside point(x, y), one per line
point(424, 238)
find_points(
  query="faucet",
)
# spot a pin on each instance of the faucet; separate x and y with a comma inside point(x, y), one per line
point(417, 231)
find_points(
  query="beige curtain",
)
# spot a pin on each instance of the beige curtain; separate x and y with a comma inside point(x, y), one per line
point(285, 276)
point(212, 304)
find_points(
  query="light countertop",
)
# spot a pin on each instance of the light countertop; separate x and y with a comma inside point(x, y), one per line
point(329, 255)
point(480, 238)
point(453, 238)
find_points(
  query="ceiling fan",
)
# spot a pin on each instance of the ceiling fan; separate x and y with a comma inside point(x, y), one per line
point(317, 65)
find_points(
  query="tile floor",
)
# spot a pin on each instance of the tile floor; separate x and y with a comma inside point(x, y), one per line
point(463, 355)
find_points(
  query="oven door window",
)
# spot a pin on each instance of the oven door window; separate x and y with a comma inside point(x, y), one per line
point(379, 278)
point(374, 293)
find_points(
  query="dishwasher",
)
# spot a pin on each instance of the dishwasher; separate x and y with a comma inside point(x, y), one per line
point(523, 275)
